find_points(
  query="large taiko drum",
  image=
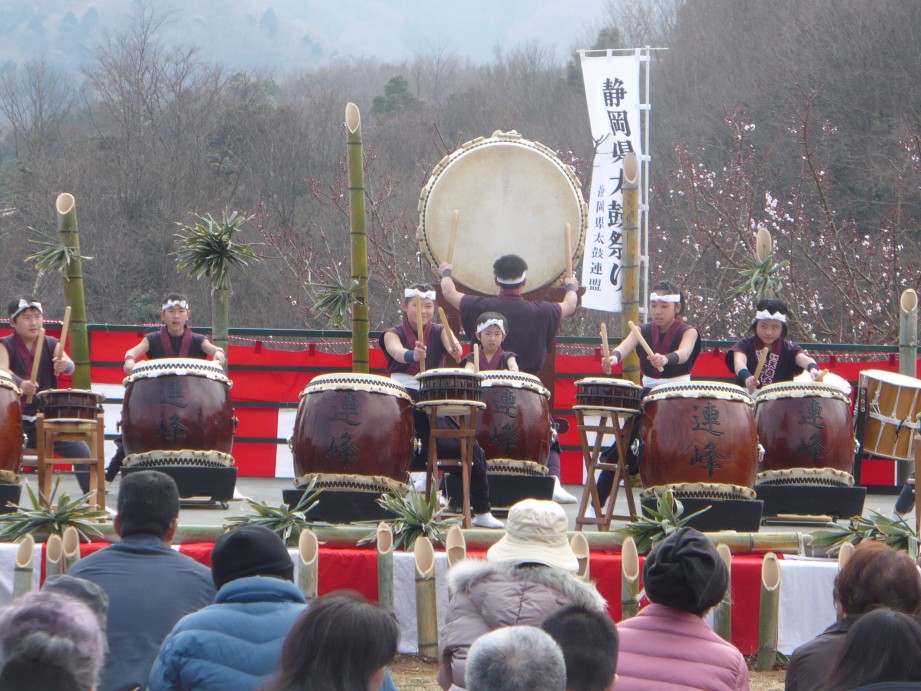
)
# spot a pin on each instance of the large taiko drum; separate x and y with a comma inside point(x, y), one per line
point(893, 403)
point(177, 403)
point(70, 404)
point(701, 433)
point(804, 426)
point(10, 430)
point(514, 196)
point(351, 425)
point(516, 422)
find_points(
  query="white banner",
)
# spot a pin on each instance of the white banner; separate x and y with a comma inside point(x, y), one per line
point(612, 91)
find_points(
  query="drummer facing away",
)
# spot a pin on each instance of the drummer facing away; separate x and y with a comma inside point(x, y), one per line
point(17, 356)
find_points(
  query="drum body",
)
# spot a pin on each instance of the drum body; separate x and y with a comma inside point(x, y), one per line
point(353, 424)
point(604, 392)
point(177, 403)
point(893, 404)
point(452, 390)
point(10, 430)
point(515, 197)
point(70, 404)
point(804, 426)
point(700, 432)
point(516, 421)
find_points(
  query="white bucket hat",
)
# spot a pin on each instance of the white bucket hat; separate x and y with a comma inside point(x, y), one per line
point(536, 533)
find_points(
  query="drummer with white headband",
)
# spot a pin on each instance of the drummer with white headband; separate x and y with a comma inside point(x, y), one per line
point(784, 360)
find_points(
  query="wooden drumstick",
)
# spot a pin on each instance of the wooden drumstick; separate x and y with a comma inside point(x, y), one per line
point(761, 361)
point(569, 273)
point(476, 357)
point(36, 361)
point(604, 343)
point(59, 350)
point(444, 323)
point(450, 258)
point(639, 337)
point(419, 330)
point(821, 375)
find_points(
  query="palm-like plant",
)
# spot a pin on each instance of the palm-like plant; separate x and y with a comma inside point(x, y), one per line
point(52, 514)
point(209, 249)
point(285, 522)
point(656, 524)
point(761, 273)
point(895, 532)
point(414, 516)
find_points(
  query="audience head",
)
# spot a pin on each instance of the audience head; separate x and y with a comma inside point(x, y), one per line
point(685, 572)
point(250, 550)
point(882, 646)
point(49, 642)
point(588, 667)
point(876, 575)
point(148, 502)
point(87, 592)
point(537, 532)
point(341, 641)
point(516, 658)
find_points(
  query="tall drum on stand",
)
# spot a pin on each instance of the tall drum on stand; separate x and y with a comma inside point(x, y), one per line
point(11, 441)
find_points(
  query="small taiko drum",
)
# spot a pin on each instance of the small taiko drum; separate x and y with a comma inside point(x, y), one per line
point(515, 424)
point(177, 403)
point(893, 403)
point(804, 425)
point(606, 393)
point(10, 430)
point(452, 391)
point(70, 404)
point(701, 433)
point(353, 425)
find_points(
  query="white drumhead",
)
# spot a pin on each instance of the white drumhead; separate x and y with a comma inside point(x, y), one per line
point(514, 380)
point(607, 381)
point(891, 378)
point(699, 389)
point(801, 389)
point(352, 381)
point(450, 372)
point(514, 196)
point(830, 379)
point(177, 366)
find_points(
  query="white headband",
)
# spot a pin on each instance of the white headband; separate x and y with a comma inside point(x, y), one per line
point(764, 314)
point(512, 281)
point(413, 292)
point(24, 305)
point(490, 322)
point(174, 303)
point(655, 297)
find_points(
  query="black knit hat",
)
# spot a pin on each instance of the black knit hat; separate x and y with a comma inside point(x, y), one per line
point(686, 572)
point(250, 550)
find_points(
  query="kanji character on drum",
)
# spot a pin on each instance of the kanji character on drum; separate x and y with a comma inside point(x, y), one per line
point(533, 324)
point(17, 357)
point(403, 352)
point(175, 339)
point(491, 330)
point(784, 360)
point(675, 345)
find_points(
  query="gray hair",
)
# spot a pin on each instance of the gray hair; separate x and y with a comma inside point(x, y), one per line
point(516, 658)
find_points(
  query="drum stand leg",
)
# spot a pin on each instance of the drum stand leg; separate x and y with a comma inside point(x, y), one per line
point(610, 422)
point(466, 434)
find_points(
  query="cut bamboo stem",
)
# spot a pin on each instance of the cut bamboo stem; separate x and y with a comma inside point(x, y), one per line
point(358, 232)
point(579, 546)
point(426, 604)
point(722, 616)
point(767, 615)
point(22, 572)
point(71, 545)
point(629, 580)
point(385, 566)
point(54, 554)
point(630, 260)
point(908, 352)
point(844, 553)
point(66, 207)
point(455, 545)
point(308, 552)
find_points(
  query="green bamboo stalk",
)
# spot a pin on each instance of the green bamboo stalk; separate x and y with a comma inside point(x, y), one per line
point(71, 545)
point(308, 552)
point(385, 566)
point(22, 573)
point(455, 545)
point(844, 553)
point(359, 237)
point(768, 612)
point(722, 616)
point(426, 605)
point(629, 580)
point(74, 297)
point(579, 546)
point(630, 294)
point(54, 555)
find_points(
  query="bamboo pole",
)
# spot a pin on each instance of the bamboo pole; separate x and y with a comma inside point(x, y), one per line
point(767, 614)
point(385, 565)
point(37, 360)
point(308, 553)
point(22, 572)
point(629, 580)
point(426, 604)
point(722, 617)
point(71, 545)
point(359, 236)
point(630, 261)
point(66, 207)
point(844, 553)
point(579, 546)
point(455, 545)
point(54, 555)
point(908, 352)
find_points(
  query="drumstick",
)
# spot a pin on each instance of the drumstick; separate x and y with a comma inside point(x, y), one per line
point(761, 361)
point(453, 236)
point(59, 350)
point(36, 361)
point(569, 273)
point(604, 342)
point(476, 357)
point(639, 337)
point(821, 375)
point(419, 330)
point(444, 322)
